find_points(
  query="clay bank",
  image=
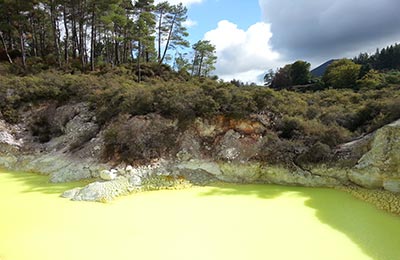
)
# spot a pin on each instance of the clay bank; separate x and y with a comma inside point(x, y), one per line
point(66, 143)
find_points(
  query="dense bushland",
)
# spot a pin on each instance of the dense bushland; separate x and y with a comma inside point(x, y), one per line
point(304, 122)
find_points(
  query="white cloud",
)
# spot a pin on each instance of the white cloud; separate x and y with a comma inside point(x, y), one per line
point(251, 76)
point(189, 23)
point(184, 2)
point(243, 55)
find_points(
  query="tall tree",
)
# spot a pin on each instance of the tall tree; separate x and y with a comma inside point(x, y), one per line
point(15, 25)
point(283, 78)
point(170, 28)
point(53, 6)
point(300, 72)
point(204, 58)
point(144, 30)
point(66, 31)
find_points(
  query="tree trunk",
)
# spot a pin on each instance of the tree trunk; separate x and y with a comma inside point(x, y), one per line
point(22, 44)
point(5, 47)
point(201, 64)
point(75, 44)
point(81, 36)
point(138, 62)
point(168, 40)
point(42, 37)
point(93, 38)
point(194, 63)
point(66, 55)
point(116, 52)
point(34, 37)
point(131, 51)
point(53, 19)
point(159, 36)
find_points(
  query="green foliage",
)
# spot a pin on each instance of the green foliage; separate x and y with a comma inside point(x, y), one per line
point(342, 74)
point(204, 58)
point(386, 59)
point(300, 73)
point(171, 31)
point(290, 75)
point(299, 121)
point(282, 78)
point(392, 77)
point(373, 79)
point(58, 33)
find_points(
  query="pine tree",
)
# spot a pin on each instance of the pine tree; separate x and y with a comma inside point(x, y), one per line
point(204, 58)
point(144, 29)
point(171, 32)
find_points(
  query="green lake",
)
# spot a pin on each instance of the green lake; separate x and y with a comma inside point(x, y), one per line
point(246, 222)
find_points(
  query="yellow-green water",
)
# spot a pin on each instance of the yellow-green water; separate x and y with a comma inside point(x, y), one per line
point(232, 222)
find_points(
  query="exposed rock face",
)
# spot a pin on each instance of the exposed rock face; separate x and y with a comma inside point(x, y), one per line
point(237, 147)
point(77, 125)
point(8, 141)
point(257, 173)
point(209, 150)
point(71, 156)
point(380, 166)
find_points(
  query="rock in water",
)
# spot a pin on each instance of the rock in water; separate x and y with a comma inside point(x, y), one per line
point(108, 175)
point(69, 194)
point(103, 191)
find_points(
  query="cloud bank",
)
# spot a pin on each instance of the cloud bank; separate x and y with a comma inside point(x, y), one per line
point(243, 55)
point(324, 29)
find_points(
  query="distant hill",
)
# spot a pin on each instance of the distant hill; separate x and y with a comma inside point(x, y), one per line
point(320, 70)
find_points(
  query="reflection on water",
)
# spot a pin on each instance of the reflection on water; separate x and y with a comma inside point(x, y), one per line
point(219, 222)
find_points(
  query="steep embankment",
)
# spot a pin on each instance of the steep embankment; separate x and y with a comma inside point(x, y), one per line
point(67, 143)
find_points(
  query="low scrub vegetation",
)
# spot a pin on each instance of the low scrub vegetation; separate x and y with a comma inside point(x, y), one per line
point(304, 122)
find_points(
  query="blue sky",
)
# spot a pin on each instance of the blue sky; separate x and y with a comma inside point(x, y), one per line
point(253, 36)
point(244, 13)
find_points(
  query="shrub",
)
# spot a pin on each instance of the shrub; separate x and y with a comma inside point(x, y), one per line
point(140, 138)
point(317, 153)
point(342, 74)
point(279, 151)
point(372, 79)
point(392, 77)
point(289, 127)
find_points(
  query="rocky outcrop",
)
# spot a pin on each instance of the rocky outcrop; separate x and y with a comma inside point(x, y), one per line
point(8, 141)
point(104, 191)
point(380, 166)
point(208, 150)
point(253, 172)
point(100, 191)
point(72, 155)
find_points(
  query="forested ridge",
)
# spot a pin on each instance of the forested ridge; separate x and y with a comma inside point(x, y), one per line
point(90, 34)
point(364, 71)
